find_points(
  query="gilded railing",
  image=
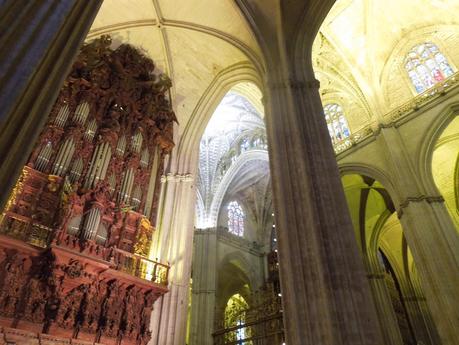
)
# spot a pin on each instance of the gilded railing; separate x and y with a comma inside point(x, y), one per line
point(262, 323)
point(266, 330)
point(141, 267)
point(403, 110)
point(27, 218)
point(41, 236)
point(25, 230)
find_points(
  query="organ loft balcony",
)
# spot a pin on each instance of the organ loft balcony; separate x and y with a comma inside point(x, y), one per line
point(30, 217)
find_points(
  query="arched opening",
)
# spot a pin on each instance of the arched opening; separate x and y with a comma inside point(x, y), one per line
point(235, 317)
point(234, 222)
point(400, 303)
point(445, 168)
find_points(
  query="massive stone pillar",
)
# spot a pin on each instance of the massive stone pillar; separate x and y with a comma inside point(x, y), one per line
point(386, 314)
point(431, 236)
point(39, 41)
point(421, 320)
point(175, 246)
point(203, 287)
point(326, 294)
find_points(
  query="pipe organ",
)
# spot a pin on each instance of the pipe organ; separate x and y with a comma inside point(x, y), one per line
point(76, 233)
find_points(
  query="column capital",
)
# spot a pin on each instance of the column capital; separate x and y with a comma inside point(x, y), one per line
point(170, 177)
point(430, 199)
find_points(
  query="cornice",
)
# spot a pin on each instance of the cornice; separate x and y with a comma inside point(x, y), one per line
point(417, 199)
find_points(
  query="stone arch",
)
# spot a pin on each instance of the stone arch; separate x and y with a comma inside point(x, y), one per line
point(243, 159)
point(427, 148)
point(373, 172)
point(244, 265)
point(305, 35)
point(243, 273)
point(187, 150)
point(370, 250)
point(385, 232)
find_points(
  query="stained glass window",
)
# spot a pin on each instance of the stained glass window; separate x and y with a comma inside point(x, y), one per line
point(336, 123)
point(426, 66)
point(235, 219)
point(245, 145)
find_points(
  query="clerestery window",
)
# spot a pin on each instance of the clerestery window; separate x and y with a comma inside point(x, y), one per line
point(235, 219)
point(426, 66)
point(336, 123)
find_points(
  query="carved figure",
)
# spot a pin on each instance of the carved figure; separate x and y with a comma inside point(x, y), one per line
point(12, 284)
point(70, 305)
point(112, 310)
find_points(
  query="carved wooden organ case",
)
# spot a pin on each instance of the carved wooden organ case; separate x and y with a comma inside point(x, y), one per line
point(77, 229)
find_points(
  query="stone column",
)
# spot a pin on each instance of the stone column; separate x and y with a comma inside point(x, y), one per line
point(420, 320)
point(175, 224)
point(385, 310)
point(326, 295)
point(39, 41)
point(203, 287)
point(431, 237)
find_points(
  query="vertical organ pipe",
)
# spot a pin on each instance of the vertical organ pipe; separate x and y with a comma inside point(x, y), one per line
point(152, 183)
point(99, 164)
point(126, 186)
point(43, 157)
point(64, 156)
point(81, 113)
point(91, 224)
point(62, 116)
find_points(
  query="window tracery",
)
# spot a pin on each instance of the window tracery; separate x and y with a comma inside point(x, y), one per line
point(426, 66)
point(336, 123)
point(235, 219)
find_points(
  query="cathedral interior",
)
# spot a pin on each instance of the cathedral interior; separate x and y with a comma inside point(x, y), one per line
point(229, 172)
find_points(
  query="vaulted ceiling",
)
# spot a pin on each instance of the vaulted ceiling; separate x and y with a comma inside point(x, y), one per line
point(191, 41)
point(359, 52)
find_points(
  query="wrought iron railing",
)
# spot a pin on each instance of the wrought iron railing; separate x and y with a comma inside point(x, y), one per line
point(403, 110)
point(265, 330)
point(261, 324)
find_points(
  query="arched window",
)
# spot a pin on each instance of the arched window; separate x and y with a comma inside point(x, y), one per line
point(336, 123)
point(245, 144)
point(426, 66)
point(235, 219)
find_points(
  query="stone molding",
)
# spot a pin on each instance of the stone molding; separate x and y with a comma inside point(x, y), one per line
point(411, 199)
point(170, 177)
point(375, 275)
point(239, 242)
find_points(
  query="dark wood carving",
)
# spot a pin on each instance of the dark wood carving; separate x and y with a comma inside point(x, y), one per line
point(76, 232)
